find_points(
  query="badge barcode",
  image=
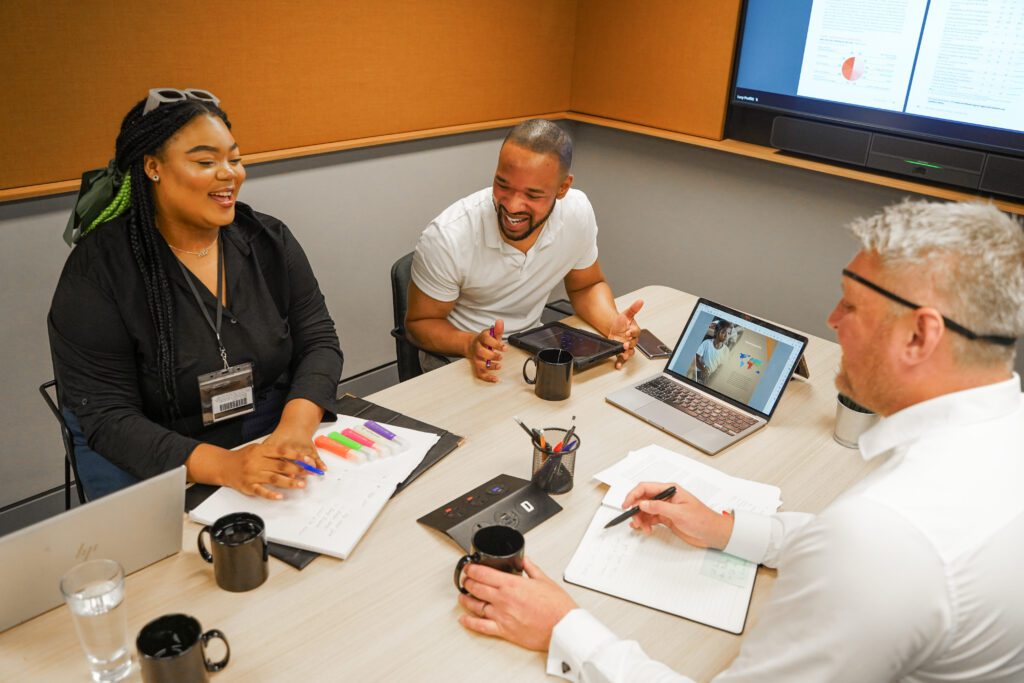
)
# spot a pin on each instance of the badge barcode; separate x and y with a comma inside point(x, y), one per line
point(231, 405)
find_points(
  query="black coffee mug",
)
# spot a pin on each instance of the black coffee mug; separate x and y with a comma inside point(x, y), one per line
point(240, 551)
point(172, 649)
point(496, 546)
point(553, 378)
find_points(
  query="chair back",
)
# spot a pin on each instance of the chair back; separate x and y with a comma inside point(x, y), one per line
point(406, 354)
point(70, 463)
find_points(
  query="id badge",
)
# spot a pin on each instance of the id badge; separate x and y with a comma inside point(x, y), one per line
point(226, 393)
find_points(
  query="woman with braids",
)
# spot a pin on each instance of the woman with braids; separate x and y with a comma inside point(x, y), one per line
point(185, 323)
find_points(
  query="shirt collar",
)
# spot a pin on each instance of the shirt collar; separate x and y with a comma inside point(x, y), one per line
point(958, 408)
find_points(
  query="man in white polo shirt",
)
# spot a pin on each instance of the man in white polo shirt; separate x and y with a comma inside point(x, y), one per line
point(913, 574)
point(485, 267)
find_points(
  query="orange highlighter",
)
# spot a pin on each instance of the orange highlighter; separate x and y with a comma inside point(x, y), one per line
point(334, 447)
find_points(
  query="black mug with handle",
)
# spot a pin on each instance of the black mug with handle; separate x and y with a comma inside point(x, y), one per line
point(553, 378)
point(239, 551)
point(172, 649)
point(500, 547)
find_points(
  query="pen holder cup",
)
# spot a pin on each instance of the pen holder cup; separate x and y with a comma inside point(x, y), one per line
point(553, 472)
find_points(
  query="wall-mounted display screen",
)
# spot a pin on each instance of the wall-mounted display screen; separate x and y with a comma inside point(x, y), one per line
point(948, 70)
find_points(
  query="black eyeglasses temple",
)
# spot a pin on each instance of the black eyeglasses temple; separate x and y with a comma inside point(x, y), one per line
point(951, 324)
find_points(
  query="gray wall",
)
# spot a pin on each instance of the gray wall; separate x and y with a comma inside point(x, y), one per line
point(758, 236)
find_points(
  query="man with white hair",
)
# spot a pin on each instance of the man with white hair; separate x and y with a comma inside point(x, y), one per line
point(915, 573)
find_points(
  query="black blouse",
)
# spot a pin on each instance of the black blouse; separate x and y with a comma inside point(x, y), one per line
point(105, 351)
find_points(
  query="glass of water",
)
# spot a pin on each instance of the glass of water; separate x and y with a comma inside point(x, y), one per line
point(94, 592)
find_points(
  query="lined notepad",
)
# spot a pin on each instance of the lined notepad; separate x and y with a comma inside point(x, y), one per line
point(333, 512)
point(662, 571)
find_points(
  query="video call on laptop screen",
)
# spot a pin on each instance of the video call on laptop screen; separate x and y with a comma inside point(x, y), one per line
point(739, 359)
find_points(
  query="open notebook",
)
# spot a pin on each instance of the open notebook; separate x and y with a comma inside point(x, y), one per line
point(333, 512)
point(660, 570)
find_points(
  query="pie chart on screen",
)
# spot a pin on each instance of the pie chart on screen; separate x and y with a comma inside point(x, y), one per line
point(853, 68)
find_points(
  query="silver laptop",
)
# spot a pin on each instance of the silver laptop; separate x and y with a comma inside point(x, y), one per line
point(135, 526)
point(722, 382)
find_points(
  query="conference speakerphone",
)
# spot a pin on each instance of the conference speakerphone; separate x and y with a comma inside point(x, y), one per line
point(505, 500)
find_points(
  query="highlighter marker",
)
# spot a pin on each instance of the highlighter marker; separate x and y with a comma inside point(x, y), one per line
point(334, 447)
point(384, 431)
point(383, 445)
point(345, 441)
point(359, 438)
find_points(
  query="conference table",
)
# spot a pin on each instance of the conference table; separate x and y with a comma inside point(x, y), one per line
point(389, 612)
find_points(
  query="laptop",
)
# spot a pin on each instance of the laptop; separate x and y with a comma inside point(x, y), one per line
point(136, 526)
point(723, 381)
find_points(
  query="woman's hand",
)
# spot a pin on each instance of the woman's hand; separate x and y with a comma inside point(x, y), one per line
point(254, 468)
point(295, 444)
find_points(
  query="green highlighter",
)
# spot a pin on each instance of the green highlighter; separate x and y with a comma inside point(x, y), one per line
point(345, 441)
point(356, 449)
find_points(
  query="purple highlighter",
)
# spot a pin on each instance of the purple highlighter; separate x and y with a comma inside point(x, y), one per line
point(386, 433)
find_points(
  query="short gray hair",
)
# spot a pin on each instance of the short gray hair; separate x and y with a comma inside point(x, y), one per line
point(543, 137)
point(974, 256)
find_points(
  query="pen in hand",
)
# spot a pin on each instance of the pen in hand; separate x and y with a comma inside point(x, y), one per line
point(667, 493)
point(303, 465)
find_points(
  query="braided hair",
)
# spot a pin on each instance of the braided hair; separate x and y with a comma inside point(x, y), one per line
point(141, 135)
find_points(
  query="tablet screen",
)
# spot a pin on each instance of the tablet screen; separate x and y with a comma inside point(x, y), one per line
point(562, 338)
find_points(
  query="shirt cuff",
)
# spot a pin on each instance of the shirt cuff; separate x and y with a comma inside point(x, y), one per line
point(751, 533)
point(578, 635)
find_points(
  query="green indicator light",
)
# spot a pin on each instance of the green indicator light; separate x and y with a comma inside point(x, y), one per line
point(921, 163)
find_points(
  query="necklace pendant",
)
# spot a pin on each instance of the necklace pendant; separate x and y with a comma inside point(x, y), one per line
point(203, 252)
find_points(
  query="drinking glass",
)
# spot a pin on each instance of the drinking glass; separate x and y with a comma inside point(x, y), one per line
point(94, 592)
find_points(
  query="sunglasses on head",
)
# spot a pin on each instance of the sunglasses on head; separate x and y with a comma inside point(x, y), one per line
point(158, 96)
point(952, 325)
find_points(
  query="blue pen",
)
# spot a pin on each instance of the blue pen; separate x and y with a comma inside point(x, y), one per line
point(303, 465)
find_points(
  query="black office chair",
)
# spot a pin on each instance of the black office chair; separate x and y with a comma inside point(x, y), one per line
point(407, 354)
point(70, 463)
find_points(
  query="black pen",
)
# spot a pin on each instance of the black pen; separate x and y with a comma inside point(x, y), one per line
point(667, 493)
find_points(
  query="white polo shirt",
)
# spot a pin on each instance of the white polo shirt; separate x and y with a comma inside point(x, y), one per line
point(461, 257)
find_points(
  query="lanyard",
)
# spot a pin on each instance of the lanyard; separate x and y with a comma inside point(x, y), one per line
point(220, 305)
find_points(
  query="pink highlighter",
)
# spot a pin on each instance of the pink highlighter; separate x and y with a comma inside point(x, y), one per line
point(360, 439)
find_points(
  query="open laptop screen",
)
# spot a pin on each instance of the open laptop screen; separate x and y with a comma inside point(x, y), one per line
point(735, 356)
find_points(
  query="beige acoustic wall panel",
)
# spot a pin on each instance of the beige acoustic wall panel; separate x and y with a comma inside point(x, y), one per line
point(289, 74)
point(659, 63)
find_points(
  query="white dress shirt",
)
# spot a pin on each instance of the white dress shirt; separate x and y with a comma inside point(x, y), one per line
point(461, 257)
point(914, 574)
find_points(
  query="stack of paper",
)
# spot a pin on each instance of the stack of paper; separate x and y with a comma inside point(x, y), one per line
point(661, 570)
point(332, 512)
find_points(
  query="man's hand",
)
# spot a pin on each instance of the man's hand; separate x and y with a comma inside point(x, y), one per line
point(687, 517)
point(484, 351)
point(521, 609)
point(626, 330)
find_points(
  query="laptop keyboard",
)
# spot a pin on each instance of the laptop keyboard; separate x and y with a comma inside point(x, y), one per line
point(681, 397)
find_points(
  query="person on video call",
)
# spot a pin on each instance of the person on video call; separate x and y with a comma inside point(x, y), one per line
point(711, 352)
point(485, 267)
point(165, 256)
point(914, 573)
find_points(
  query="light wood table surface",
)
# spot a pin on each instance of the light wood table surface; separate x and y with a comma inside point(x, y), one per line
point(389, 611)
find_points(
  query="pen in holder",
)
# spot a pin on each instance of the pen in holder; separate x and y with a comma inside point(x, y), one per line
point(553, 472)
